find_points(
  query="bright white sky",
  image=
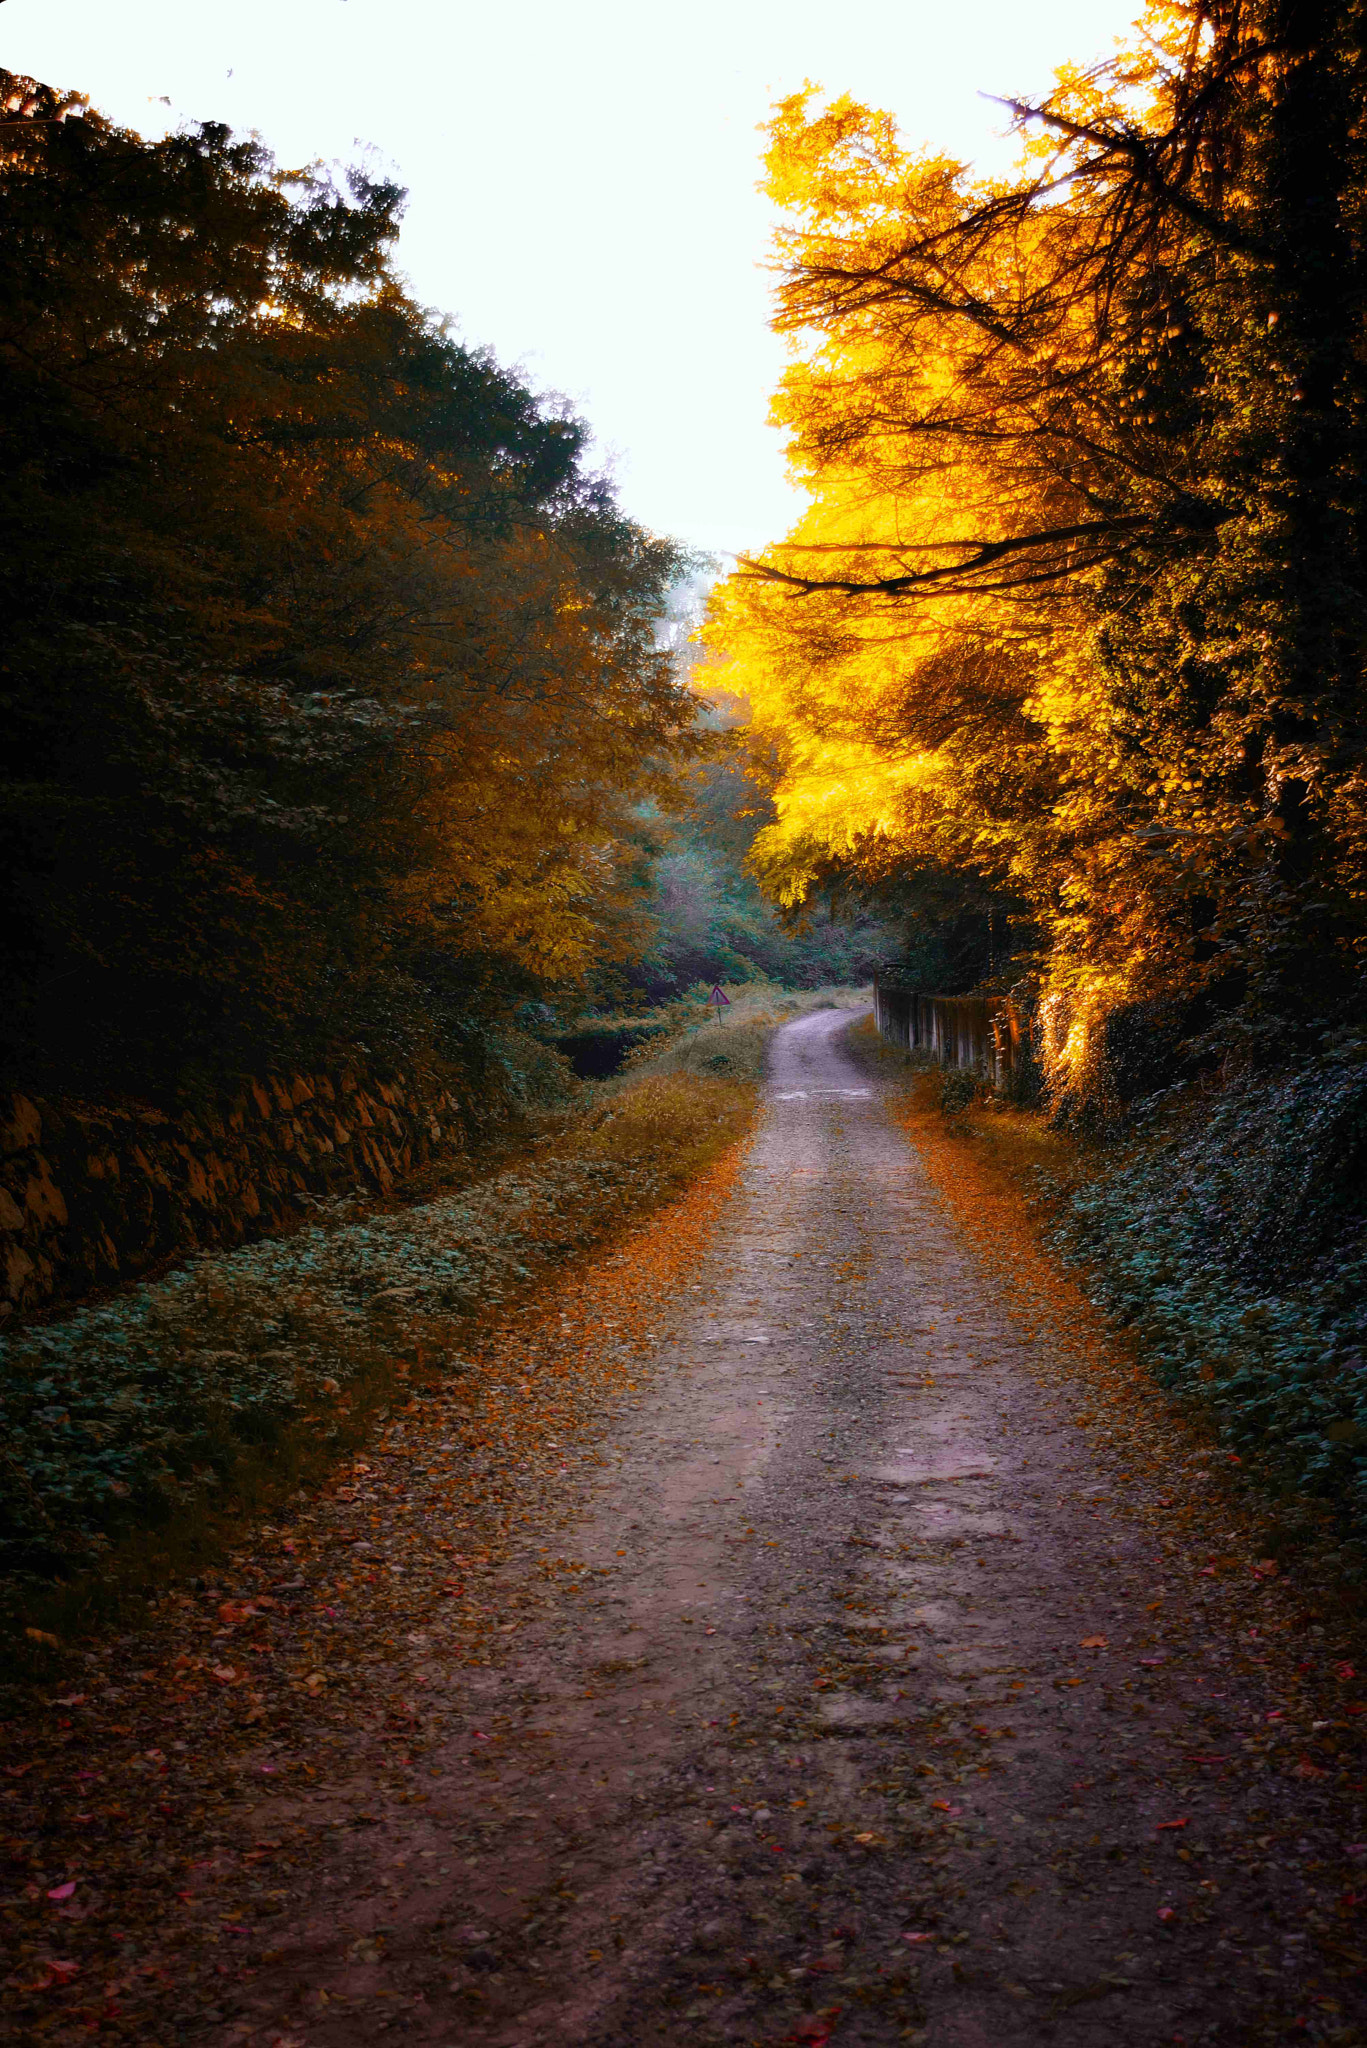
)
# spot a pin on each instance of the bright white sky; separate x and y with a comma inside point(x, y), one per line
point(581, 173)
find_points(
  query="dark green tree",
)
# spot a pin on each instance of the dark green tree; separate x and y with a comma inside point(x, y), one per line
point(330, 675)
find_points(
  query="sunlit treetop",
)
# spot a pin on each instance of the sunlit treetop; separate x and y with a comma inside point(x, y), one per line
point(1078, 607)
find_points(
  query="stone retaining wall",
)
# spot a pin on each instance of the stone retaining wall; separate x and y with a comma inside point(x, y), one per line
point(91, 1196)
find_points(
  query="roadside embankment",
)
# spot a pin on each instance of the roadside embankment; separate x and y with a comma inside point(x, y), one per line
point(1223, 1231)
point(134, 1430)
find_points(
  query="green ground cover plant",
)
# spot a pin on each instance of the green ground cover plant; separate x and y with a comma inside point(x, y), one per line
point(1224, 1225)
point(1229, 1233)
point(135, 1425)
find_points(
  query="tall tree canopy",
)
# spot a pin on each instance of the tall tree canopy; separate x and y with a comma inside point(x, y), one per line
point(331, 680)
point(1079, 608)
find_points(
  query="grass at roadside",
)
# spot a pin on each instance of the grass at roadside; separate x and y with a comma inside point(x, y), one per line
point(734, 1048)
point(136, 1434)
point(327, 1665)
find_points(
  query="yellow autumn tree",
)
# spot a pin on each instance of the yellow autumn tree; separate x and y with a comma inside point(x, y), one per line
point(894, 664)
point(1077, 606)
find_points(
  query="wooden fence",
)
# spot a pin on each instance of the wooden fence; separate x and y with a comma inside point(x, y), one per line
point(983, 1033)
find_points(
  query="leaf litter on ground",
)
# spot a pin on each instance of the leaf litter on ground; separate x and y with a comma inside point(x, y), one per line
point(321, 1662)
point(1286, 1634)
point(154, 1406)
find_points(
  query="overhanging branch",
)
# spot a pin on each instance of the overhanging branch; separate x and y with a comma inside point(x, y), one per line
point(976, 556)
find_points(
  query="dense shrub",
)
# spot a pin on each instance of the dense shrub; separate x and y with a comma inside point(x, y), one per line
point(331, 681)
point(1232, 1234)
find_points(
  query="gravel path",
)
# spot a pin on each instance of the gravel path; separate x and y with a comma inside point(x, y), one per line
point(853, 1726)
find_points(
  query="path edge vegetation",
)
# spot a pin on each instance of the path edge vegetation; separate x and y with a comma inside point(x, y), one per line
point(1253, 1370)
point(341, 1321)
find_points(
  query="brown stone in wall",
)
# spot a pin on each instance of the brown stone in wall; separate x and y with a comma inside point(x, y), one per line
point(22, 1126)
point(43, 1199)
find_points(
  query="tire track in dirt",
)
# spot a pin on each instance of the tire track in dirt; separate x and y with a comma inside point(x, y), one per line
point(858, 1722)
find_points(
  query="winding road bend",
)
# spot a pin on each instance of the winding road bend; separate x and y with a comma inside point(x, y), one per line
point(829, 1753)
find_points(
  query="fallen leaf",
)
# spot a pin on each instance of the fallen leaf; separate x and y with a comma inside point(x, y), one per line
point(63, 1891)
point(1166, 1913)
point(1164, 1824)
point(1094, 1643)
point(40, 1635)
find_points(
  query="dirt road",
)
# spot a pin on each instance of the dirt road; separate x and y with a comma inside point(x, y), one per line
point(861, 1719)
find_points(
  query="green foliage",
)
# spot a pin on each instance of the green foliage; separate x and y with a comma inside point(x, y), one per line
point(135, 1413)
point(601, 1045)
point(958, 1090)
point(1233, 1237)
point(330, 680)
point(712, 921)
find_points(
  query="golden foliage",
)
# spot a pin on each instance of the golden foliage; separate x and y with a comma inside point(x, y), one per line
point(1073, 609)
